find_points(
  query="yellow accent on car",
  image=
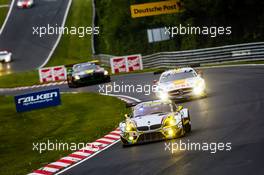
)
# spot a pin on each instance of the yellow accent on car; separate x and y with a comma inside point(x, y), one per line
point(179, 82)
point(130, 126)
point(169, 121)
point(89, 71)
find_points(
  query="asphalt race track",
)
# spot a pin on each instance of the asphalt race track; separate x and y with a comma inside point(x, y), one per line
point(26, 47)
point(232, 112)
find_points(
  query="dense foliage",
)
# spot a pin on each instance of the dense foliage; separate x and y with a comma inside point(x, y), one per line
point(120, 34)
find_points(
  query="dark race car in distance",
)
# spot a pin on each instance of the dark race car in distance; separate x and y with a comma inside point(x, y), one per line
point(86, 74)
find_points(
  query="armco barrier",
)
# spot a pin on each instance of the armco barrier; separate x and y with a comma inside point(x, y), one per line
point(239, 52)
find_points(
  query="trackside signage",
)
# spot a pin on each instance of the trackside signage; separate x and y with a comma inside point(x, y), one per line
point(38, 100)
point(52, 74)
point(156, 8)
point(126, 63)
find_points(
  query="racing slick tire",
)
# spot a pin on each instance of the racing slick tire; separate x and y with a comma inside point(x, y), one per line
point(124, 142)
point(108, 79)
point(71, 84)
point(187, 127)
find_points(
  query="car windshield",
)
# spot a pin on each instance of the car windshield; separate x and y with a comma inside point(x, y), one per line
point(3, 52)
point(83, 67)
point(149, 109)
point(176, 76)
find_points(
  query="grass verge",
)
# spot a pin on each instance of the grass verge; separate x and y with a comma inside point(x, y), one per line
point(81, 118)
point(19, 79)
point(3, 11)
point(72, 48)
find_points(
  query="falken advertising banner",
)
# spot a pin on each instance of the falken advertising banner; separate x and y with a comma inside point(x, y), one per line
point(156, 8)
point(37, 100)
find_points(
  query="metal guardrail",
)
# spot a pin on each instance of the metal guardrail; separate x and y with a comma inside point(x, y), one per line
point(104, 58)
point(239, 52)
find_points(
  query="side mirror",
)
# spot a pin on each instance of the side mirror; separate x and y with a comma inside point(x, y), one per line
point(130, 105)
point(127, 116)
point(179, 108)
point(155, 81)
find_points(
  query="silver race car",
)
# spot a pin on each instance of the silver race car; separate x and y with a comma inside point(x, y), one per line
point(155, 120)
point(25, 3)
point(5, 56)
point(180, 83)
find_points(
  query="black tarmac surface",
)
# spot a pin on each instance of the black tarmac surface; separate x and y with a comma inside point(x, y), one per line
point(232, 113)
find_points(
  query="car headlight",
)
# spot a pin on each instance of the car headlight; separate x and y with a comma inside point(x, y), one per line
point(77, 77)
point(130, 127)
point(8, 59)
point(163, 95)
point(199, 87)
point(169, 121)
point(168, 124)
point(105, 72)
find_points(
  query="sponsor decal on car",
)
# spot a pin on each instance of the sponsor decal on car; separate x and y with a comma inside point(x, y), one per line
point(180, 82)
point(89, 71)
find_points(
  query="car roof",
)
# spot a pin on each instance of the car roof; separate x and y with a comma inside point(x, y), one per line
point(84, 64)
point(179, 70)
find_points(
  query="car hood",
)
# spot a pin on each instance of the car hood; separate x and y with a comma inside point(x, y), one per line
point(149, 120)
point(84, 72)
point(178, 84)
point(87, 72)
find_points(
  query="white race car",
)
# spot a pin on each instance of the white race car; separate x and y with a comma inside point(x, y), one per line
point(155, 120)
point(5, 56)
point(25, 3)
point(180, 83)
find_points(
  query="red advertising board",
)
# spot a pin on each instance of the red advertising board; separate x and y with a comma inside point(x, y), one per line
point(51, 74)
point(45, 75)
point(118, 64)
point(59, 73)
point(134, 63)
point(126, 63)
